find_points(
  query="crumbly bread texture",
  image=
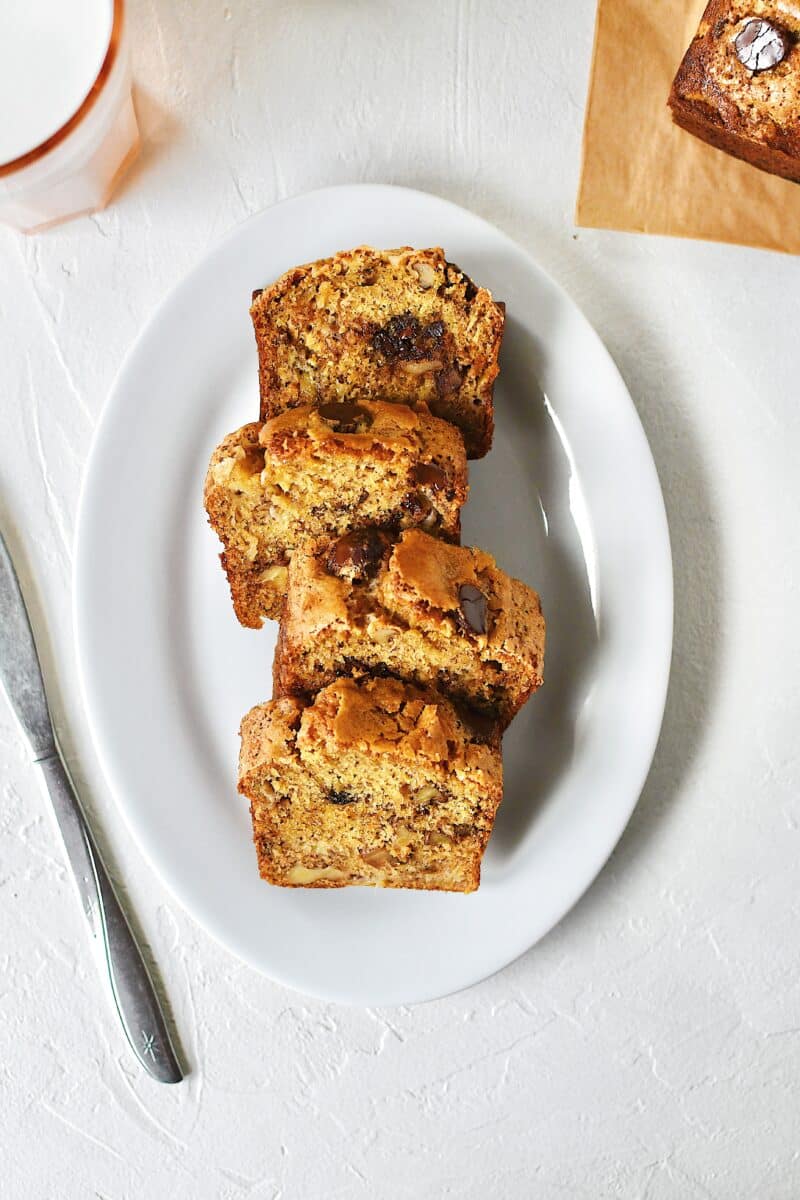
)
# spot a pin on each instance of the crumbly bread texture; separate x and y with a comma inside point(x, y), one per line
point(329, 470)
point(751, 114)
point(374, 783)
point(403, 324)
point(438, 615)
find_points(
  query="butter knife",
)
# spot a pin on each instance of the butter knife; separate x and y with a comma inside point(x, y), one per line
point(131, 985)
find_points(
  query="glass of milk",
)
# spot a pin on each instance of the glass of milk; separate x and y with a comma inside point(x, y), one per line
point(67, 125)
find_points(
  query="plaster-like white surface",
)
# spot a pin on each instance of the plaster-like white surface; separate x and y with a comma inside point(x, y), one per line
point(650, 1046)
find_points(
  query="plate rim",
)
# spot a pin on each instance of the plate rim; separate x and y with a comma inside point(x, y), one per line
point(646, 747)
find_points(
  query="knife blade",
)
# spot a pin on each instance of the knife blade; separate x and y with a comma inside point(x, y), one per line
point(132, 988)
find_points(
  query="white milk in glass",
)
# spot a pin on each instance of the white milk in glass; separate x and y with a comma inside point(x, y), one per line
point(51, 54)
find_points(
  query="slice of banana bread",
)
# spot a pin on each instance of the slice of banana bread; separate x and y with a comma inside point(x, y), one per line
point(438, 615)
point(328, 470)
point(738, 87)
point(374, 783)
point(403, 324)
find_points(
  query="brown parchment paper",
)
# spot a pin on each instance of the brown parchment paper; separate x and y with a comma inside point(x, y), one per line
point(640, 172)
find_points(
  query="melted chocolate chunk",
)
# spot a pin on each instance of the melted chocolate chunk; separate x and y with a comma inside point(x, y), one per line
point(448, 381)
point(482, 725)
point(473, 606)
point(256, 294)
point(357, 668)
point(405, 339)
point(428, 475)
point(456, 275)
point(417, 505)
point(340, 797)
point(346, 417)
point(253, 461)
point(760, 45)
point(357, 555)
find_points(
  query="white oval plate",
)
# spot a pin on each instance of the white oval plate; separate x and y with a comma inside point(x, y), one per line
point(568, 500)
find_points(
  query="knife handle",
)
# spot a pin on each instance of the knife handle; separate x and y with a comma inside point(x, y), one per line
point(131, 985)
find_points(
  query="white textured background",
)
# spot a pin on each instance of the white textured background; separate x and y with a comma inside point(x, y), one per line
point(650, 1046)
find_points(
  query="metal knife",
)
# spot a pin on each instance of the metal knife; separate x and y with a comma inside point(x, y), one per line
point(131, 985)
